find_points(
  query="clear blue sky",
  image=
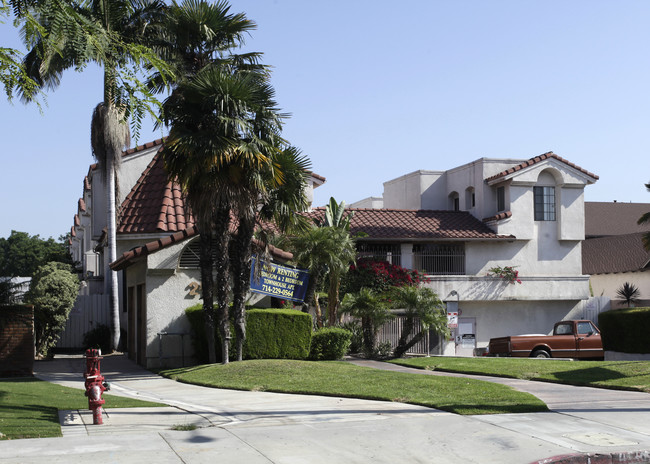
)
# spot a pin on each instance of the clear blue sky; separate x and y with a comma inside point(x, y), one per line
point(378, 89)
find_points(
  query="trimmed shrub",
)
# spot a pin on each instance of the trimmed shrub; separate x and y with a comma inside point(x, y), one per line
point(625, 330)
point(270, 334)
point(277, 334)
point(329, 343)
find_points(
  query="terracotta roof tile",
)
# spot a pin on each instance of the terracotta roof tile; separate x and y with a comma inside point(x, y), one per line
point(536, 160)
point(498, 217)
point(155, 204)
point(81, 206)
point(77, 222)
point(619, 253)
point(396, 224)
point(140, 252)
point(144, 146)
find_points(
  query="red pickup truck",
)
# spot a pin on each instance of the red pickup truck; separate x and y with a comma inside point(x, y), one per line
point(570, 339)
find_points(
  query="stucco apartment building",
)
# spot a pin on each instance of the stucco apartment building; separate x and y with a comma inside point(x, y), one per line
point(454, 225)
point(458, 224)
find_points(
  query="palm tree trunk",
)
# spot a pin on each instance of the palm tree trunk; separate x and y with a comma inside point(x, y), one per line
point(112, 250)
point(221, 225)
point(207, 288)
point(333, 299)
point(241, 269)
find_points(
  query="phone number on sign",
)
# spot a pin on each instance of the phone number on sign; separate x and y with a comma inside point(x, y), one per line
point(277, 291)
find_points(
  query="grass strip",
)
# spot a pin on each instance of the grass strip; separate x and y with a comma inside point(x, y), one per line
point(331, 378)
point(29, 406)
point(618, 375)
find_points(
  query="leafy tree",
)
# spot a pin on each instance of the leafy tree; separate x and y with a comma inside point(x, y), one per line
point(113, 34)
point(420, 304)
point(373, 312)
point(21, 254)
point(645, 219)
point(629, 293)
point(53, 291)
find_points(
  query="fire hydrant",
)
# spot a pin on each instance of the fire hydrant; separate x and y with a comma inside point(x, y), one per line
point(95, 384)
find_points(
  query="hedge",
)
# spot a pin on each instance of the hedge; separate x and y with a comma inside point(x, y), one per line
point(270, 334)
point(625, 330)
point(330, 344)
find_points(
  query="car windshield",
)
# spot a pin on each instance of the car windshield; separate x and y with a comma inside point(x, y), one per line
point(585, 328)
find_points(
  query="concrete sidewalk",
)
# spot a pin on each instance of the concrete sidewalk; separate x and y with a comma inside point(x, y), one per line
point(252, 427)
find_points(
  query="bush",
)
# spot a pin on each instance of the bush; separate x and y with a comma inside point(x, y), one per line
point(329, 343)
point(98, 337)
point(356, 342)
point(53, 291)
point(625, 330)
point(270, 334)
point(277, 334)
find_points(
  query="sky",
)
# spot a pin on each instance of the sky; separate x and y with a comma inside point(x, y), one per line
point(377, 89)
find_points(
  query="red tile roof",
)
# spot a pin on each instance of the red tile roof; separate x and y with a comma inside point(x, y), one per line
point(140, 252)
point(395, 224)
point(155, 204)
point(81, 205)
point(618, 253)
point(536, 160)
point(498, 217)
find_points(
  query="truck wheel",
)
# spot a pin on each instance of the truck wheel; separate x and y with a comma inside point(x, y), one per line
point(540, 354)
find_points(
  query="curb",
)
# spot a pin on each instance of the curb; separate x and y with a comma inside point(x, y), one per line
point(631, 457)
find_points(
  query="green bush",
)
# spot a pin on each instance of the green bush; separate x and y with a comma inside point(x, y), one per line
point(270, 334)
point(277, 334)
point(625, 330)
point(53, 291)
point(356, 342)
point(330, 343)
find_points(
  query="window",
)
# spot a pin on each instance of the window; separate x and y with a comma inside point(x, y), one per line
point(454, 201)
point(501, 199)
point(470, 198)
point(544, 203)
point(380, 252)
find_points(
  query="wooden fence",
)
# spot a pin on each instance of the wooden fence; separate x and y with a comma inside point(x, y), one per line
point(88, 312)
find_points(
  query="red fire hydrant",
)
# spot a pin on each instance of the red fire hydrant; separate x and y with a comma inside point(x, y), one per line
point(95, 384)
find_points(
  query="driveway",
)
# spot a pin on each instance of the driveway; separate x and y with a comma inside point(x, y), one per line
point(260, 427)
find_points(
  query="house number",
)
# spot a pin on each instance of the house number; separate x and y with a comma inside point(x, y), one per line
point(195, 289)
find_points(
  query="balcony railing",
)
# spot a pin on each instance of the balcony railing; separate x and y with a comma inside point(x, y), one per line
point(380, 252)
point(439, 259)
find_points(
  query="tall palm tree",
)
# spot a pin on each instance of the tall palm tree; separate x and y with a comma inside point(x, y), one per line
point(217, 153)
point(112, 34)
point(270, 198)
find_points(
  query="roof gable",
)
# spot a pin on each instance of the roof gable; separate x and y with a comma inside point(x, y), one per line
point(536, 161)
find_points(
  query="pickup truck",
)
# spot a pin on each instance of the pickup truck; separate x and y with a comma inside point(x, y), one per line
point(570, 339)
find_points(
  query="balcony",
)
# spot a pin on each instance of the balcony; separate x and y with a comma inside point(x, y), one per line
point(483, 288)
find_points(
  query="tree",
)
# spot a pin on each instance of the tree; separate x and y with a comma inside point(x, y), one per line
point(373, 312)
point(53, 291)
point(629, 293)
point(321, 250)
point(420, 304)
point(21, 254)
point(645, 219)
point(113, 34)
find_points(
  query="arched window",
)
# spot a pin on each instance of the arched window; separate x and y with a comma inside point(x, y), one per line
point(470, 198)
point(454, 201)
point(544, 197)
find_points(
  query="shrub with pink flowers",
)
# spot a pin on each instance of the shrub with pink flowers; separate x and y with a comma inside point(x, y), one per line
point(378, 276)
point(507, 273)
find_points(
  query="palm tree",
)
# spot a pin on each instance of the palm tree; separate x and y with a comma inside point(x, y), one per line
point(629, 293)
point(324, 251)
point(268, 197)
point(114, 35)
point(371, 309)
point(645, 219)
point(421, 303)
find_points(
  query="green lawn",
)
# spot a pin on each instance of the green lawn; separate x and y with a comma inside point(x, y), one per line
point(622, 375)
point(29, 407)
point(461, 396)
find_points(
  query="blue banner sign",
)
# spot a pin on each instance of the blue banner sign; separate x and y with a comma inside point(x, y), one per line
point(281, 282)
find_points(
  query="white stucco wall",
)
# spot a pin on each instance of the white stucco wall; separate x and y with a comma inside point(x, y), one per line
point(608, 284)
